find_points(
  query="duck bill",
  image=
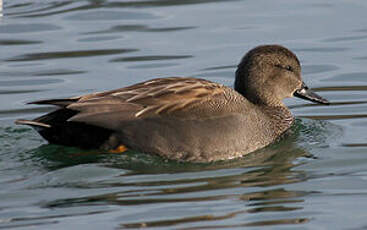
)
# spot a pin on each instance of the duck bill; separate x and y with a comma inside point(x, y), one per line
point(305, 93)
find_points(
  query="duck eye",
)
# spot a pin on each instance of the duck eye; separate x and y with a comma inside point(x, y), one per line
point(289, 68)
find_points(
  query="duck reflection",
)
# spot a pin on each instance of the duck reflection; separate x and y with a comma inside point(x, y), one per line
point(253, 183)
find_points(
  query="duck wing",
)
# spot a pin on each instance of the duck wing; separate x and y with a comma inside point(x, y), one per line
point(175, 97)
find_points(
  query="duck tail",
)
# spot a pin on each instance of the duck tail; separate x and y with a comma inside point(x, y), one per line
point(35, 124)
point(58, 102)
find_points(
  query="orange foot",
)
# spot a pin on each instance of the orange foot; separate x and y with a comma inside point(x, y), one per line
point(119, 149)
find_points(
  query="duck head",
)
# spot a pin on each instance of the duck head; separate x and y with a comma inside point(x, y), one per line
point(268, 74)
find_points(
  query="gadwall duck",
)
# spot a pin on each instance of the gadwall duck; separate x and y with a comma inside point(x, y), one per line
point(186, 119)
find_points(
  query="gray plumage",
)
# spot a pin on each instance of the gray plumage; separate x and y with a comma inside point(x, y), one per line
point(186, 119)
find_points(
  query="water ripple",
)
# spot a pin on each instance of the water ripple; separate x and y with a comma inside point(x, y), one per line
point(350, 77)
point(38, 8)
point(69, 54)
point(161, 3)
point(33, 82)
point(312, 69)
point(33, 8)
point(346, 38)
point(322, 49)
point(15, 42)
point(307, 179)
point(151, 58)
point(27, 28)
point(141, 28)
point(46, 72)
point(101, 15)
point(20, 91)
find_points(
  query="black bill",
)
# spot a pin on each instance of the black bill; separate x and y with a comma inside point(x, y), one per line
point(305, 93)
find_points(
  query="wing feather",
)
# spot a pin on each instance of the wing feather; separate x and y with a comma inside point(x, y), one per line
point(172, 97)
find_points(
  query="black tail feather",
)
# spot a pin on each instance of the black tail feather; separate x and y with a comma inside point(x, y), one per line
point(56, 129)
point(58, 102)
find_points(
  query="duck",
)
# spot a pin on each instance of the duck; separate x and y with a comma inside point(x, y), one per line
point(185, 118)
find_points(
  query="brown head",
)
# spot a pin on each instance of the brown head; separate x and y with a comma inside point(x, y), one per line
point(268, 74)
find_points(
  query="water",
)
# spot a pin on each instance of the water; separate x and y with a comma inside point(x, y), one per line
point(315, 178)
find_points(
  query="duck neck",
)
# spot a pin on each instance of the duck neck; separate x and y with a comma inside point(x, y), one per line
point(280, 116)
